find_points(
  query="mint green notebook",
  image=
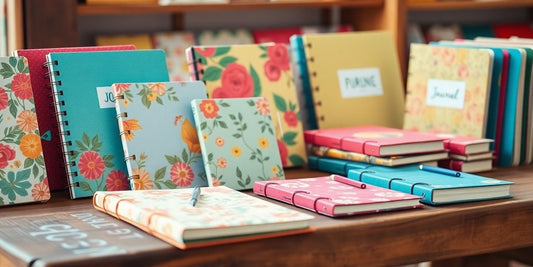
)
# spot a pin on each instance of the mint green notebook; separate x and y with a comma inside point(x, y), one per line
point(238, 141)
point(81, 83)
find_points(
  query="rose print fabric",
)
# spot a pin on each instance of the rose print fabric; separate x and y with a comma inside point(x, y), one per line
point(158, 135)
point(469, 66)
point(22, 172)
point(238, 141)
point(252, 71)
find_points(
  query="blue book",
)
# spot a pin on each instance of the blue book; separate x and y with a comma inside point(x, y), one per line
point(85, 107)
point(308, 106)
point(160, 141)
point(436, 185)
point(331, 165)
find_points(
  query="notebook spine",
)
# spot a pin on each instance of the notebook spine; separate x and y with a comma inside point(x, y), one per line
point(315, 89)
point(121, 114)
point(61, 115)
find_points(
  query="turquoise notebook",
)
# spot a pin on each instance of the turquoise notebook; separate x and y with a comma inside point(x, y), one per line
point(160, 142)
point(85, 106)
point(238, 141)
point(308, 106)
point(436, 185)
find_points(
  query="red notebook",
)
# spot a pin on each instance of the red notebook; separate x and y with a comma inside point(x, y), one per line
point(467, 166)
point(375, 140)
point(42, 92)
point(465, 145)
point(336, 195)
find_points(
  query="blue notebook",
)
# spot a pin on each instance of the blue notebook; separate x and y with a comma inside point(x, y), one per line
point(86, 114)
point(308, 106)
point(436, 185)
point(160, 141)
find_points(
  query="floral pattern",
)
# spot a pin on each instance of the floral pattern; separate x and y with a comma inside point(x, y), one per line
point(241, 146)
point(22, 171)
point(159, 139)
point(241, 71)
point(448, 63)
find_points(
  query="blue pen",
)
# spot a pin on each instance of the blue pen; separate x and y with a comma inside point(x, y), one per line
point(434, 169)
point(195, 195)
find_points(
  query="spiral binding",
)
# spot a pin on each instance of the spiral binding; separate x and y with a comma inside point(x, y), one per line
point(133, 177)
point(131, 157)
point(119, 96)
point(122, 115)
point(125, 132)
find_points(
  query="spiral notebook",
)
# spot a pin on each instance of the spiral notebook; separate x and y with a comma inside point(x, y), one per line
point(22, 172)
point(85, 108)
point(53, 156)
point(160, 141)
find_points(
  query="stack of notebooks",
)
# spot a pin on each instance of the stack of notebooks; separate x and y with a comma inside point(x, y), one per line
point(468, 154)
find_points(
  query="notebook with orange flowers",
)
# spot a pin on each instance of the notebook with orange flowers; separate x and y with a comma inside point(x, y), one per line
point(158, 136)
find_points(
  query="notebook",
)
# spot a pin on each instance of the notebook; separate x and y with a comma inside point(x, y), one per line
point(471, 166)
point(81, 83)
point(221, 215)
point(355, 79)
point(238, 141)
point(159, 139)
point(307, 107)
point(174, 44)
point(375, 140)
point(336, 196)
point(252, 71)
point(23, 175)
point(451, 96)
point(140, 41)
point(51, 143)
point(436, 185)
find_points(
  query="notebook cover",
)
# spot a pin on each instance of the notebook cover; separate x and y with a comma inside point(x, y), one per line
point(251, 71)
point(174, 44)
point(279, 35)
point(324, 194)
point(331, 165)
point(370, 140)
point(307, 107)
point(457, 144)
point(224, 37)
point(356, 73)
point(158, 136)
point(140, 41)
point(238, 141)
point(522, 30)
point(23, 176)
point(410, 179)
point(168, 215)
point(82, 89)
point(51, 143)
point(453, 95)
point(472, 166)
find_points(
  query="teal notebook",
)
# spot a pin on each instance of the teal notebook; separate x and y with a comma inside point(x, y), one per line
point(81, 84)
point(437, 186)
point(238, 141)
point(158, 135)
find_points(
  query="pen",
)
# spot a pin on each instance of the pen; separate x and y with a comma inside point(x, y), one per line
point(347, 181)
point(439, 170)
point(195, 195)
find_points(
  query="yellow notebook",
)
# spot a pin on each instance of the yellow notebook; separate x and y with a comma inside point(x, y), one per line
point(141, 41)
point(448, 90)
point(355, 79)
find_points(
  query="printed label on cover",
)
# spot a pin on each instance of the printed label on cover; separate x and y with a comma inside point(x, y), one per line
point(446, 93)
point(105, 97)
point(360, 82)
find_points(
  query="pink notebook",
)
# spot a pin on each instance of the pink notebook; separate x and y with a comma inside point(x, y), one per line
point(42, 92)
point(336, 195)
point(375, 140)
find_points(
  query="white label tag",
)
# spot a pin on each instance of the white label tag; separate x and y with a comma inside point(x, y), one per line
point(360, 82)
point(105, 97)
point(446, 93)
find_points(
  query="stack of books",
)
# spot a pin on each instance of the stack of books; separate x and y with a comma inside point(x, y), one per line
point(468, 154)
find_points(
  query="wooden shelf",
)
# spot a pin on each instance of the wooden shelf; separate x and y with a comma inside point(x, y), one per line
point(472, 4)
point(117, 9)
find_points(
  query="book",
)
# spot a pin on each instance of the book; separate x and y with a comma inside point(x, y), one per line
point(51, 143)
point(253, 71)
point(174, 44)
point(465, 145)
point(372, 83)
point(237, 141)
point(307, 108)
point(324, 151)
point(159, 139)
point(437, 186)
point(453, 95)
point(478, 165)
point(472, 157)
point(68, 235)
point(23, 175)
point(140, 41)
point(221, 215)
point(375, 140)
point(85, 109)
point(336, 196)
point(224, 37)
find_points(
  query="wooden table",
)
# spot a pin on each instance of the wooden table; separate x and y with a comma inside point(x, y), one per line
point(393, 238)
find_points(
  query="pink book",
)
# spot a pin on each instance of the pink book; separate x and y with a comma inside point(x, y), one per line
point(467, 166)
point(375, 140)
point(465, 145)
point(48, 128)
point(336, 195)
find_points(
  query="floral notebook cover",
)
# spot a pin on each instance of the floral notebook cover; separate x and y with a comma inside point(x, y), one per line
point(174, 44)
point(22, 172)
point(158, 135)
point(238, 141)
